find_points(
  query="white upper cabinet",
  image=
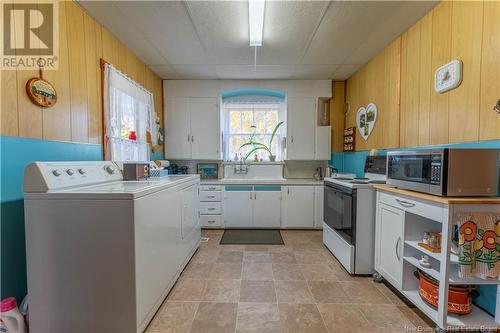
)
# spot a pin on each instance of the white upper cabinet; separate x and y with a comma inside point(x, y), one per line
point(204, 128)
point(301, 125)
point(192, 127)
point(323, 150)
point(177, 128)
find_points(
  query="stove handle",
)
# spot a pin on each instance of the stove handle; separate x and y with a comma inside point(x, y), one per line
point(397, 249)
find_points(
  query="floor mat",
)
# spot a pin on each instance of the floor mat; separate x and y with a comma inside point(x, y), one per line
point(252, 236)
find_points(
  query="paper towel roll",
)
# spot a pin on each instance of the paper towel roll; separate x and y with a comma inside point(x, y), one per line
point(162, 163)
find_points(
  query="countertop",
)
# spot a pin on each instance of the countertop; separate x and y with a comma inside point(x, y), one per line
point(438, 199)
point(284, 181)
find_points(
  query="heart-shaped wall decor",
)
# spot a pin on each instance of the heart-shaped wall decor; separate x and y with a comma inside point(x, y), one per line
point(365, 119)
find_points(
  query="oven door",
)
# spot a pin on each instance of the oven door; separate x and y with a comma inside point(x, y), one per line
point(339, 213)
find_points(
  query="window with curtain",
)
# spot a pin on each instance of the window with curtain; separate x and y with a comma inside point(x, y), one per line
point(252, 119)
point(129, 118)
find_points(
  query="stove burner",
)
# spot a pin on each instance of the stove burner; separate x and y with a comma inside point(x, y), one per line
point(376, 181)
point(358, 182)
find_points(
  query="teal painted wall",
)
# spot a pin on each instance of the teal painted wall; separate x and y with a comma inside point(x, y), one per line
point(15, 154)
point(354, 162)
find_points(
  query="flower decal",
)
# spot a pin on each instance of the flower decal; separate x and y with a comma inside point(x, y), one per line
point(469, 230)
point(489, 240)
point(478, 245)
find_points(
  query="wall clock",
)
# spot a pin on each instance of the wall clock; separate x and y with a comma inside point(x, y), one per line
point(448, 76)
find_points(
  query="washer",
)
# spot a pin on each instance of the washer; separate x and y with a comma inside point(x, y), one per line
point(103, 253)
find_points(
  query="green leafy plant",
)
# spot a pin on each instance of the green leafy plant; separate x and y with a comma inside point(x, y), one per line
point(260, 146)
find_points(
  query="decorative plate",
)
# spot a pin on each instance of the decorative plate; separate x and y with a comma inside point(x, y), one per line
point(365, 119)
point(41, 92)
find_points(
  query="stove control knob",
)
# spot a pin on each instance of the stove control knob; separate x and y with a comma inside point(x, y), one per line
point(81, 171)
point(109, 169)
point(70, 172)
point(56, 172)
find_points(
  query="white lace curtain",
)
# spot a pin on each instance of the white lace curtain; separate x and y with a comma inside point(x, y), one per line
point(128, 112)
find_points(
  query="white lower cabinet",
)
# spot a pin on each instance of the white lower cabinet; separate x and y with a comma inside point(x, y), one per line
point(389, 243)
point(318, 206)
point(210, 206)
point(266, 208)
point(237, 206)
point(252, 206)
point(298, 206)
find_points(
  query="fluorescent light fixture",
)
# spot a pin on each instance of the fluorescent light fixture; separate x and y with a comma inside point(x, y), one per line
point(256, 21)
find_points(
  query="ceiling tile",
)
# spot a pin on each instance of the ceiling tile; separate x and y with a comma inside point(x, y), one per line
point(195, 71)
point(106, 13)
point(249, 72)
point(168, 24)
point(314, 72)
point(288, 28)
point(223, 29)
point(164, 71)
point(343, 72)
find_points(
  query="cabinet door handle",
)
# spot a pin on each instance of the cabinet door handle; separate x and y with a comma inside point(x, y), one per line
point(397, 248)
point(250, 195)
point(192, 138)
point(291, 139)
point(405, 203)
point(211, 196)
point(211, 209)
point(211, 221)
point(189, 138)
point(255, 195)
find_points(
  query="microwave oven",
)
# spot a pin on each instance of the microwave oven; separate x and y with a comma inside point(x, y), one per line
point(446, 171)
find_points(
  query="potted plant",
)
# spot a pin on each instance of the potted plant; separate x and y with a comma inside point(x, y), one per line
point(260, 146)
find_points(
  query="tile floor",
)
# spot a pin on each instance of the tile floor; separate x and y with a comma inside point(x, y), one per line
point(296, 287)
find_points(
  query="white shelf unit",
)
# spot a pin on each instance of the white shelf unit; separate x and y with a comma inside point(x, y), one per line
point(444, 266)
point(477, 318)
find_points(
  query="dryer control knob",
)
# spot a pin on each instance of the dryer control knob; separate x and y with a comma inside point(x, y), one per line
point(109, 169)
point(81, 171)
point(56, 172)
point(70, 172)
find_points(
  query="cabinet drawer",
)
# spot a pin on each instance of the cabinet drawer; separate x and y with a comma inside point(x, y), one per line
point(211, 221)
point(410, 205)
point(210, 187)
point(210, 195)
point(207, 208)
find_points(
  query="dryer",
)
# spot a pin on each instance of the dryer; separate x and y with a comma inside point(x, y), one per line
point(103, 253)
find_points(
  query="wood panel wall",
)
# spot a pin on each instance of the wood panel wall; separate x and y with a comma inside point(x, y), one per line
point(377, 82)
point(77, 116)
point(465, 30)
point(337, 109)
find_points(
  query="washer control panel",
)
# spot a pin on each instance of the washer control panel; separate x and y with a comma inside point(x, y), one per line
point(47, 176)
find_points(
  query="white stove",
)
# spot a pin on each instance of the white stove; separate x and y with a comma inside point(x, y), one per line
point(349, 216)
point(367, 181)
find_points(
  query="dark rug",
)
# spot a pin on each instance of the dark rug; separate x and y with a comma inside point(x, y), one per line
point(252, 236)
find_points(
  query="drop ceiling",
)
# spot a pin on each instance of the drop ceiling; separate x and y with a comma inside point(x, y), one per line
point(302, 39)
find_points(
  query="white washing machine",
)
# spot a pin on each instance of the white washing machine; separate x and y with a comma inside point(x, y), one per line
point(102, 253)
